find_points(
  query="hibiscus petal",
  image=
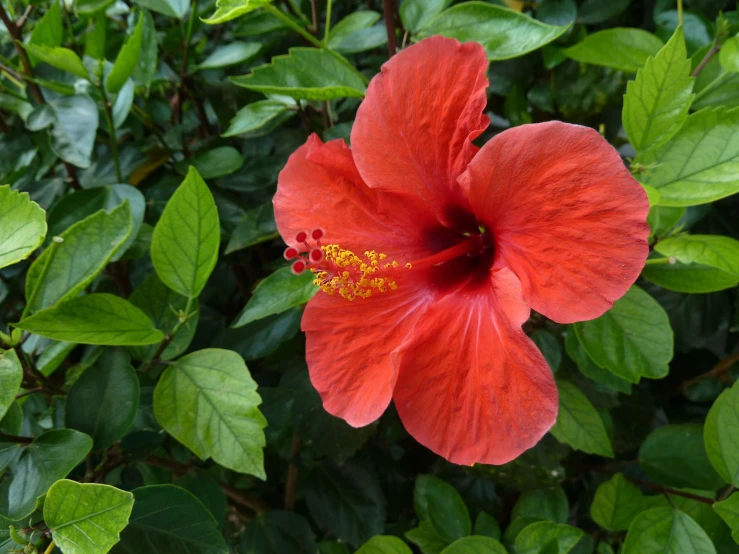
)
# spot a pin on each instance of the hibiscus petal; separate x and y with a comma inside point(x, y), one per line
point(472, 386)
point(414, 130)
point(348, 346)
point(566, 216)
point(320, 187)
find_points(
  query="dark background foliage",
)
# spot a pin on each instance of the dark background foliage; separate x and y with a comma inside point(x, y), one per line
point(645, 455)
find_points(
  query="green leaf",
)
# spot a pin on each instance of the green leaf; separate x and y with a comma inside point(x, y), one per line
point(440, 503)
point(328, 435)
point(486, 525)
point(96, 37)
point(98, 318)
point(171, 8)
point(633, 339)
point(226, 10)
point(305, 74)
point(590, 369)
point(729, 55)
point(47, 459)
point(146, 66)
point(357, 32)
point(674, 455)
point(168, 519)
point(127, 58)
point(475, 545)
point(347, 500)
point(503, 33)
point(720, 434)
point(543, 504)
point(86, 518)
point(536, 538)
point(617, 502)
point(103, 401)
point(49, 30)
point(426, 538)
point(708, 263)
point(258, 118)
point(689, 278)
point(384, 545)
point(92, 7)
point(690, 169)
point(257, 225)
point(277, 293)
point(11, 376)
point(22, 226)
point(231, 54)
point(76, 257)
point(666, 530)
point(184, 248)
point(579, 424)
point(549, 346)
point(620, 48)
point(81, 204)
point(416, 14)
point(214, 163)
point(75, 128)
point(61, 58)
point(276, 532)
point(208, 401)
point(657, 101)
point(597, 11)
point(711, 250)
point(729, 511)
point(161, 304)
point(205, 489)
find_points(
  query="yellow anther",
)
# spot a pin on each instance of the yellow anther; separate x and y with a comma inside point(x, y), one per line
point(352, 276)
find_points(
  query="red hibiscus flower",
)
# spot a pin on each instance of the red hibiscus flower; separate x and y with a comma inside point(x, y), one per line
point(434, 250)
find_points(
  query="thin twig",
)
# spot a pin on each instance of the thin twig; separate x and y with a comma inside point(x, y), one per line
point(34, 390)
point(253, 504)
point(16, 438)
point(390, 11)
point(314, 16)
point(707, 58)
point(291, 482)
point(24, 18)
point(716, 371)
point(648, 485)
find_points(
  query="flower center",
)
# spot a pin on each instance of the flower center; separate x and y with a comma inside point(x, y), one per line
point(351, 275)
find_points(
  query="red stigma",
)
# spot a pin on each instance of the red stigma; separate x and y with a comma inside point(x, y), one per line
point(290, 253)
point(298, 267)
point(316, 255)
point(302, 236)
point(316, 234)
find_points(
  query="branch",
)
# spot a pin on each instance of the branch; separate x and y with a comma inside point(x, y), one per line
point(391, 13)
point(716, 371)
point(292, 475)
point(253, 504)
point(707, 58)
point(15, 438)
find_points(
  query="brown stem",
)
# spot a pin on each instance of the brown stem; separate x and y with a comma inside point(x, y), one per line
point(15, 438)
point(716, 371)
point(118, 272)
point(314, 16)
point(24, 18)
point(34, 377)
point(234, 494)
point(648, 485)
point(707, 58)
point(15, 33)
point(292, 475)
point(33, 390)
point(390, 10)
